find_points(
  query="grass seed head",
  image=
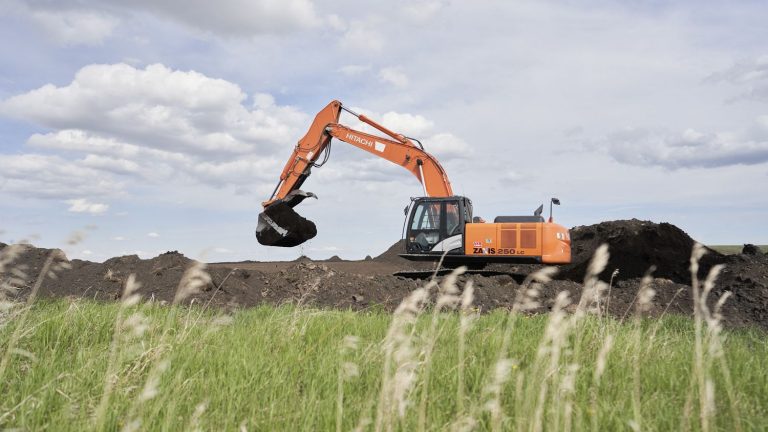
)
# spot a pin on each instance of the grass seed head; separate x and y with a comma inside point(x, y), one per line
point(599, 261)
point(698, 251)
point(192, 282)
point(467, 296)
point(350, 370)
point(602, 356)
point(130, 298)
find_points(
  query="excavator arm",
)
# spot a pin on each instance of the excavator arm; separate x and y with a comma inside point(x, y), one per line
point(397, 149)
point(280, 225)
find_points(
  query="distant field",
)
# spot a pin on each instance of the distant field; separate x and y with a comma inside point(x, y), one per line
point(92, 366)
point(734, 249)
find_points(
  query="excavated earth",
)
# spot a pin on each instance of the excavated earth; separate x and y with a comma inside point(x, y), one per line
point(635, 246)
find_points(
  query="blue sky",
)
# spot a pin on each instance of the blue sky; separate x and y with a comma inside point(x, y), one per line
point(161, 125)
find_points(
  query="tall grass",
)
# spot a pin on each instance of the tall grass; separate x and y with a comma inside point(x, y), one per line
point(77, 365)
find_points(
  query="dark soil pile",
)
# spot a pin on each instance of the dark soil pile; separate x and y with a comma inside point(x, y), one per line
point(391, 255)
point(296, 228)
point(635, 246)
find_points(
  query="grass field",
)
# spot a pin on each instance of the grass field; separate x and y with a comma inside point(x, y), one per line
point(80, 365)
point(735, 249)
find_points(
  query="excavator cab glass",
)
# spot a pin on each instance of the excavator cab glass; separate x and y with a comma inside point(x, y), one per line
point(435, 220)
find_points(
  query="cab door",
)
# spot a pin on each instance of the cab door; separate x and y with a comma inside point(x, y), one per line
point(435, 226)
point(424, 226)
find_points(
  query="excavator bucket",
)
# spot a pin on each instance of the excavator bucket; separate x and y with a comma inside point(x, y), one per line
point(280, 225)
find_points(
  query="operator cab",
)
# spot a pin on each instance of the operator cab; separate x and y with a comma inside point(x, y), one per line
point(436, 225)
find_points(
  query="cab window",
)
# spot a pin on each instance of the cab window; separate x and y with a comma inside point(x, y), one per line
point(452, 218)
point(427, 217)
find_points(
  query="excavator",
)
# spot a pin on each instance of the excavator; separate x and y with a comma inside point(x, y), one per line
point(439, 225)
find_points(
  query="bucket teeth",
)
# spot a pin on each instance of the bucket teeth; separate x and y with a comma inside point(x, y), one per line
point(279, 225)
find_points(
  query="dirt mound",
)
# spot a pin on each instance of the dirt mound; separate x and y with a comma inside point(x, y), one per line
point(750, 249)
point(635, 246)
point(391, 255)
point(335, 258)
point(359, 285)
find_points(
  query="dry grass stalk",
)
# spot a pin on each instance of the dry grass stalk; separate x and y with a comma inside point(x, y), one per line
point(467, 316)
point(447, 298)
point(600, 365)
point(48, 266)
point(644, 298)
point(193, 281)
point(347, 370)
point(129, 298)
point(550, 348)
point(399, 369)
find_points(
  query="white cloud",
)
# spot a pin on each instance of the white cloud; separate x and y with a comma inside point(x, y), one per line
point(691, 148)
point(407, 124)
point(122, 166)
point(153, 235)
point(74, 27)
point(159, 108)
point(156, 124)
point(118, 238)
point(394, 76)
point(422, 11)
point(447, 146)
point(335, 22)
point(362, 37)
point(237, 17)
point(41, 176)
point(354, 69)
point(752, 75)
point(84, 206)
point(89, 21)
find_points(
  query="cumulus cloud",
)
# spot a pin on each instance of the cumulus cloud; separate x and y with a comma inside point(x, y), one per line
point(691, 148)
point(75, 27)
point(444, 145)
point(354, 69)
point(236, 17)
point(153, 235)
point(422, 11)
point(84, 206)
point(408, 124)
point(751, 74)
point(362, 37)
point(89, 21)
point(42, 176)
point(158, 107)
point(155, 123)
point(394, 76)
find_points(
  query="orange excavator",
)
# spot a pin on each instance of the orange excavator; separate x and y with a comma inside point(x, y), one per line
point(440, 225)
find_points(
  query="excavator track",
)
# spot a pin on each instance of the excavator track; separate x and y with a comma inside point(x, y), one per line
point(426, 274)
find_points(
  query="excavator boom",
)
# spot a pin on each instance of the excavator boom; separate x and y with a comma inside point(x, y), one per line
point(280, 225)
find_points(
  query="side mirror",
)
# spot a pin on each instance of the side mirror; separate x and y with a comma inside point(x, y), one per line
point(555, 201)
point(405, 210)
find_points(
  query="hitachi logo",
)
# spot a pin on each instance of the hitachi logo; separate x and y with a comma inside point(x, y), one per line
point(359, 140)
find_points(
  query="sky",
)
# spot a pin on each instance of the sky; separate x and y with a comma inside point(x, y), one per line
point(148, 126)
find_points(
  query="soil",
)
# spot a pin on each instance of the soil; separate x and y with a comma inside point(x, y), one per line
point(297, 228)
point(359, 285)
